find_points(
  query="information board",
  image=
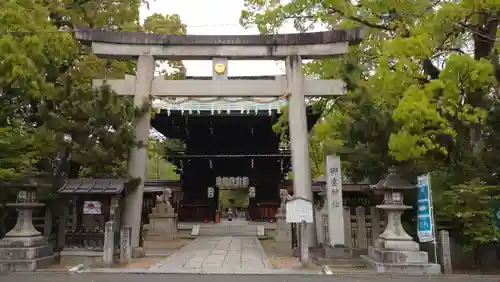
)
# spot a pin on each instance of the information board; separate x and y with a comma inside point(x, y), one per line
point(299, 210)
point(92, 207)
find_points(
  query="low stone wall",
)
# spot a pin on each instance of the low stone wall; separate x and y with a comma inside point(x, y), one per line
point(361, 227)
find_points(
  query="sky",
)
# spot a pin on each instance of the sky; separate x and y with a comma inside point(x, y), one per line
point(217, 17)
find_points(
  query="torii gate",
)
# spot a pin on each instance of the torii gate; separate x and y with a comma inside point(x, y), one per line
point(146, 48)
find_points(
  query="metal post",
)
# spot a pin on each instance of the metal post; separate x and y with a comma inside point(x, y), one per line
point(434, 233)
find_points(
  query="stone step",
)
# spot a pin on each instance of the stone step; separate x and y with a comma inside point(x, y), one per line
point(228, 231)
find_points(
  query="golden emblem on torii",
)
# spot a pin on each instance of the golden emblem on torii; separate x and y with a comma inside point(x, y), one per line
point(220, 68)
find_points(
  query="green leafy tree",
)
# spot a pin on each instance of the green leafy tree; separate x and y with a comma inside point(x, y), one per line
point(94, 126)
point(416, 61)
point(421, 89)
point(28, 56)
point(158, 167)
point(50, 115)
point(167, 24)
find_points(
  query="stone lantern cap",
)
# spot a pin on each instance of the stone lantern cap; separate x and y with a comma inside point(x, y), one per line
point(392, 181)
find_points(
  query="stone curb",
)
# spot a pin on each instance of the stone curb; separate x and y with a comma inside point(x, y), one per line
point(276, 272)
point(326, 270)
point(146, 271)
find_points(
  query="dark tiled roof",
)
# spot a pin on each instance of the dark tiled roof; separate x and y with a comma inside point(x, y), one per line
point(28, 182)
point(155, 186)
point(107, 186)
point(393, 181)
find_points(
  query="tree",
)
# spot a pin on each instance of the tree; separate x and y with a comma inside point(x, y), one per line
point(94, 127)
point(167, 24)
point(421, 86)
point(59, 124)
point(404, 42)
point(158, 167)
point(28, 57)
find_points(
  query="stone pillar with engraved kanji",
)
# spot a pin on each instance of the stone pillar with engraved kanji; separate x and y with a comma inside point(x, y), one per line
point(335, 247)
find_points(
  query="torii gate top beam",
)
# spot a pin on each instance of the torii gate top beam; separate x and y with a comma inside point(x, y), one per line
point(201, 47)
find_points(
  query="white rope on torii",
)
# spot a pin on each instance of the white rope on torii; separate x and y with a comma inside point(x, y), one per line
point(220, 104)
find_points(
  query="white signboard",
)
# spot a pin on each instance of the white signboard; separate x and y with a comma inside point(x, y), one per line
point(92, 207)
point(233, 182)
point(333, 175)
point(299, 210)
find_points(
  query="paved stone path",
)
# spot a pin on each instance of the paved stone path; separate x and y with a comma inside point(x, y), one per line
point(227, 254)
point(42, 277)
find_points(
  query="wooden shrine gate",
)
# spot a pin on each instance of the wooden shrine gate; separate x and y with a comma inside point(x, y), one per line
point(146, 48)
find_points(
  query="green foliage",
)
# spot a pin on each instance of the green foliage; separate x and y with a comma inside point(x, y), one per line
point(158, 167)
point(51, 118)
point(233, 198)
point(420, 93)
point(27, 58)
point(469, 206)
point(17, 152)
point(88, 125)
point(168, 24)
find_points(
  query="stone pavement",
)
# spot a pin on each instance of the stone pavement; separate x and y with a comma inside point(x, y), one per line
point(91, 277)
point(228, 254)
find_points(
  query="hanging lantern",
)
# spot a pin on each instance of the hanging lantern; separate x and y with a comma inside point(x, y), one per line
point(251, 192)
point(210, 192)
point(245, 181)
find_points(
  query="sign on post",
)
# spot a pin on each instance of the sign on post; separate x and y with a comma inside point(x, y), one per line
point(424, 212)
point(299, 210)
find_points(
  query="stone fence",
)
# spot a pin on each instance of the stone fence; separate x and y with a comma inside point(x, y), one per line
point(361, 227)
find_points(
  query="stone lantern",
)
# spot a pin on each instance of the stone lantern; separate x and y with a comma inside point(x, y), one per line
point(394, 251)
point(24, 248)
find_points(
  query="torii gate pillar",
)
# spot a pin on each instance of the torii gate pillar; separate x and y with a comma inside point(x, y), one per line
point(297, 122)
point(138, 157)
